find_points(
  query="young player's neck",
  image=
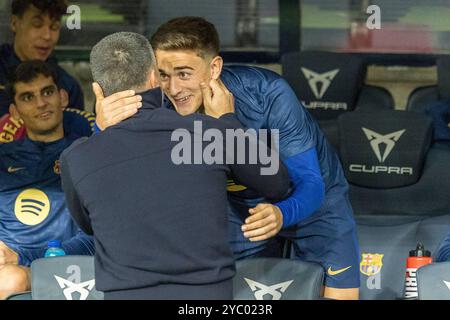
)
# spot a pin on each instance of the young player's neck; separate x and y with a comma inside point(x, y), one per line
point(19, 53)
point(47, 137)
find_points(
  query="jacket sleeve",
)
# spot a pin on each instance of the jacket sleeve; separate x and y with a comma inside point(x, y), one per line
point(297, 148)
point(269, 179)
point(309, 188)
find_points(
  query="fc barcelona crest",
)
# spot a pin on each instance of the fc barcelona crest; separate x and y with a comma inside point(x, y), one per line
point(56, 167)
point(371, 263)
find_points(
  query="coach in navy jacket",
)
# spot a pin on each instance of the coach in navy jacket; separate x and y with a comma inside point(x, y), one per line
point(160, 228)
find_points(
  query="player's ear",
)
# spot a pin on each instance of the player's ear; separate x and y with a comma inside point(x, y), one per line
point(64, 96)
point(216, 67)
point(13, 23)
point(153, 78)
point(13, 111)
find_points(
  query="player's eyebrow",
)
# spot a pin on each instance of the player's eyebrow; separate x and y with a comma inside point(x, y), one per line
point(23, 94)
point(52, 86)
point(183, 67)
point(37, 17)
point(176, 69)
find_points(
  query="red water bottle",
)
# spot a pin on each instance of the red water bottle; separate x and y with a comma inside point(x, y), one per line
point(417, 258)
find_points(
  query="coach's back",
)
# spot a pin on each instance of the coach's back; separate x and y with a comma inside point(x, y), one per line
point(160, 229)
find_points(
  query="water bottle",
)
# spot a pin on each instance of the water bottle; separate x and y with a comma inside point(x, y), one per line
point(417, 258)
point(54, 249)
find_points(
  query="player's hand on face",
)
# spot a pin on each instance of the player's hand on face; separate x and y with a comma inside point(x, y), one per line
point(265, 221)
point(7, 256)
point(115, 108)
point(217, 99)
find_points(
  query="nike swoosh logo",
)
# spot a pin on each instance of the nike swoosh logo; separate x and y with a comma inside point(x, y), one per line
point(333, 273)
point(13, 170)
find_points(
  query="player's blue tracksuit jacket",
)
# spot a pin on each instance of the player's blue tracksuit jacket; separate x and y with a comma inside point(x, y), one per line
point(32, 205)
point(264, 100)
point(317, 216)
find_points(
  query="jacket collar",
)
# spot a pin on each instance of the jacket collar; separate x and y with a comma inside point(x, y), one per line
point(152, 99)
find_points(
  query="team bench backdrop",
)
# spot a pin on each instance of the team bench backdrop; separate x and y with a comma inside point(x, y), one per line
point(79, 121)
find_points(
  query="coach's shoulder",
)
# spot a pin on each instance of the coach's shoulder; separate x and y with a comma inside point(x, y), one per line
point(76, 149)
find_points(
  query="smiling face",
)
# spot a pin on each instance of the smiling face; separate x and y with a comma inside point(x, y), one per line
point(36, 34)
point(39, 104)
point(181, 72)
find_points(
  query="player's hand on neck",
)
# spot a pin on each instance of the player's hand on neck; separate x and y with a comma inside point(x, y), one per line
point(217, 99)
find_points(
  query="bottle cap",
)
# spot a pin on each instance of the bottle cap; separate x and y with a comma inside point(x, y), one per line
point(54, 243)
point(420, 251)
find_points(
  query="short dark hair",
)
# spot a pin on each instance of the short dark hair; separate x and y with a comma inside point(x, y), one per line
point(28, 71)
point(187, 33)
point(55, 8)
point(121, 61)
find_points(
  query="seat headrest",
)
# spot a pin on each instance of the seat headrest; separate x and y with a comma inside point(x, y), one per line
point(277, 279)
point(327, 83)
point(443, 71)
point(384, 149)
point(64, 278)
point(433, 281)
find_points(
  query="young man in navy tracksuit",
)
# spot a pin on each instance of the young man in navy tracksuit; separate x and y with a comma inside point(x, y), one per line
point(32, 206)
